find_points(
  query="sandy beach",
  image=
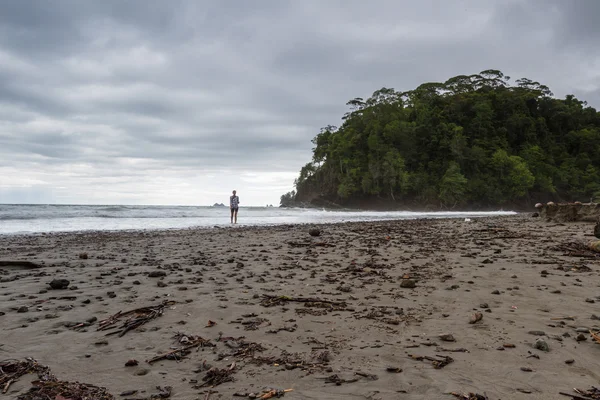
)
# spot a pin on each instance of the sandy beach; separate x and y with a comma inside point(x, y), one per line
point(380, 310)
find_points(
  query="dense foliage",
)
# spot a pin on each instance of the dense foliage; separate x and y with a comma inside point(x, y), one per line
point(471, 141)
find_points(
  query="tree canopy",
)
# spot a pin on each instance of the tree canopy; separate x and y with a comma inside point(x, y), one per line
point(474, 140)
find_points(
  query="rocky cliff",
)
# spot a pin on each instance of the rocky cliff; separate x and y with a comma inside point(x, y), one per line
point(567, 212)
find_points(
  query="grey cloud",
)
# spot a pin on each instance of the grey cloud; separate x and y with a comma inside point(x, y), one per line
point(188, 87)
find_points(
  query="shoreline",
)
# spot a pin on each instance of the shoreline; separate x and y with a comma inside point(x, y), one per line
point(240, 225)
point(365, 319)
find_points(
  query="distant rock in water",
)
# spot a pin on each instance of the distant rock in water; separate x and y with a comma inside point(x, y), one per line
point(218, 205)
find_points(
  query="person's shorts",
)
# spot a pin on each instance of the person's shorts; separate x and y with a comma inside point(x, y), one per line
point(234, 210)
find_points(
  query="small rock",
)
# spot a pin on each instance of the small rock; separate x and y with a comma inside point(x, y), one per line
point(314, 232)
point(131, 363)
point(142, 372)
point(161, 284)
point(588, 300)
point(136, 282)
point(541, 344)
point(582, 330)
point(447, 337)
point(581, 337)
point(408, 284)
point(569, 361)
point(83, 256)
point(496, 291)
point(476, 318)
point(128, 393)
point(58, 284)
point(157, 274)
point(23, 309)
point(484, 305)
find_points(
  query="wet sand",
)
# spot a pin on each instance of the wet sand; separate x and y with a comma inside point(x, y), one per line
point(350, 325)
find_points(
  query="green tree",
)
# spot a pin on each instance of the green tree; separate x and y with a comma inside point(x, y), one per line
point(453, 185)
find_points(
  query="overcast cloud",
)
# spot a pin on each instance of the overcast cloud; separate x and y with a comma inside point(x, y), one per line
point(179, 102)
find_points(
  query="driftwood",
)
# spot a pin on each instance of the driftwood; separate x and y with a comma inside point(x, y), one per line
point(592, 394)
point(19, 264)
point(310, 244)
point(136, 318)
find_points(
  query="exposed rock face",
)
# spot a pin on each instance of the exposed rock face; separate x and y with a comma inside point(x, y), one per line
point(567, 212)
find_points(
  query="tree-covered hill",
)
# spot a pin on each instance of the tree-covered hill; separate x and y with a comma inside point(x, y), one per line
point(474, 141)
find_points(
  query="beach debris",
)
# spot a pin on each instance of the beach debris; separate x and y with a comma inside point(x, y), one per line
point(310, 244)
point(595, 336)
point(135, 318)
point(12, 370)
point(47, 386)
point(272, 300)
point(241, 349)
point(337, 380)
point(216, 376)
point(591, 394)
point(469, 396)
point(579, 249)
point(438, 363)
point(269, 394)
point(314, 232)
point(163, 392)
point(476, 317)
point(188, 342)
point(210, 324)
point(59, 284)
point(63, 390)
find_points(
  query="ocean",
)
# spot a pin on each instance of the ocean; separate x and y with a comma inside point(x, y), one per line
point(24, 219)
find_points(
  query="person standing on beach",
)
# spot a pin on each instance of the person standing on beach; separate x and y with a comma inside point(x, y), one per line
point(234, 202)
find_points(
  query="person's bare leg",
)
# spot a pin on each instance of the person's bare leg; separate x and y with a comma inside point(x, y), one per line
point(232, 216)
point(235, 216)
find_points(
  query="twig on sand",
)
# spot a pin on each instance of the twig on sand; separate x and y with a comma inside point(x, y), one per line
point(438, 363)
point(189, 342)
point(271, 300)
point(469, 396)
point(216, 376)
point(137, 318)
point(592, 394)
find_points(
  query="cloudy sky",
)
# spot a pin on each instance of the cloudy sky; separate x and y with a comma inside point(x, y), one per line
point(179, 102)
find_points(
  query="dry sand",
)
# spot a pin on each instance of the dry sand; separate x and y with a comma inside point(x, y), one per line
point(507, 268)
